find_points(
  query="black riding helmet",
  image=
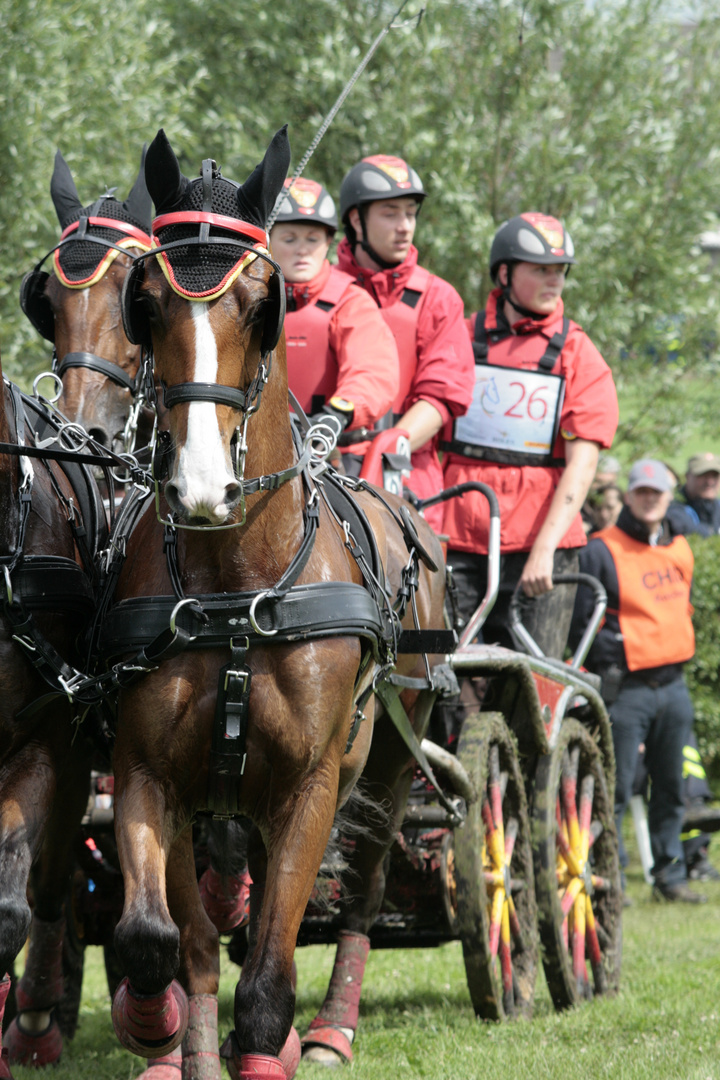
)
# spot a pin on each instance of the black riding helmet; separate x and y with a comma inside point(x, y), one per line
point(306, 201)
point(372, 179)
point(533, 238)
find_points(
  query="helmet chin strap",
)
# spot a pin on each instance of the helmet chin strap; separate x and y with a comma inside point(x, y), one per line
point(525, 312)
point(369, 249)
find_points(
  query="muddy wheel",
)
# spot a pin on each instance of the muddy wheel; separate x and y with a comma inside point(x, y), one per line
point(577, 870)
point(497, 915)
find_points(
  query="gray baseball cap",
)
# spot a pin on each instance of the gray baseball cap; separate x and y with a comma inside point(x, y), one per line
point(650, 473)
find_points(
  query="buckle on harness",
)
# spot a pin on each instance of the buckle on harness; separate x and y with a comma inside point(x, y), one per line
point(71, 685)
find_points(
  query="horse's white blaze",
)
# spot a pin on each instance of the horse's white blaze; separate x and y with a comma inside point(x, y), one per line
point(203, 471)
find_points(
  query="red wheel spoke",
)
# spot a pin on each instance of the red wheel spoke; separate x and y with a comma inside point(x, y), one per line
point(600, 884)
point(511, 834)
point(571, 894)
point(492, 837)
point(494, 792)
point(568, 788)
point(496, 921)
point(568, 855)
point(596, 831)
point(587, 793)
point(593, 945)
point(578, 943)
point(506, 966)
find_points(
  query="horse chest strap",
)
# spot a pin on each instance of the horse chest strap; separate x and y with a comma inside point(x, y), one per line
point(229, 740)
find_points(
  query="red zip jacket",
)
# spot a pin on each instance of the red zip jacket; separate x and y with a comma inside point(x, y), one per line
point(589, 411)
point(436, 358)
point(346, 351)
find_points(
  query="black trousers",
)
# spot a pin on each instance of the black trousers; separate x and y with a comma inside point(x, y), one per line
point(547, 618)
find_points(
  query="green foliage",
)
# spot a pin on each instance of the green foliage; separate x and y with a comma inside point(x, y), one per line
point(703, 671)
point(604, 114)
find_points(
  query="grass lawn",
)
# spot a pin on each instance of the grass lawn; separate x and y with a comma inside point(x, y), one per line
point(417, 1022)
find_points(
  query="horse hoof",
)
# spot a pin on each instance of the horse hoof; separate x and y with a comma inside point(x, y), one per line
point(29, 1049)
point(262, 1066)
point(150, 1026)
point(168, 1067)
point(226, 902)
point(291, 1053)
point(327, 1046)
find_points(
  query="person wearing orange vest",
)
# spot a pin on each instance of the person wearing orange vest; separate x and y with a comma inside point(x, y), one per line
point(380, 199)
point(639, 652)
point(341, 357)
point(544, 406)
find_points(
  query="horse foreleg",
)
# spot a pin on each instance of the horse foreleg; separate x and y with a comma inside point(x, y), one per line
point(27, 790)
point(266, 1045)
point(199, 964)
point(150, 1008)
point(225, 885)
point(34, 1036)
point(386, 780)
point(199, 974)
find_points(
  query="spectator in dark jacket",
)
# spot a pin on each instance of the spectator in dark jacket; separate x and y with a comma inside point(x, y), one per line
point(639, 653)
point(696, 507)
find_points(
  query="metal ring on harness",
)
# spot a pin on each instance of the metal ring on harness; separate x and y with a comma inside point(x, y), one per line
point(253, 621)
point(176, 609)
point(48, 375)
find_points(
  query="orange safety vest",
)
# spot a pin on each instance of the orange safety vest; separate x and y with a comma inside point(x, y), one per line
point(654, 591)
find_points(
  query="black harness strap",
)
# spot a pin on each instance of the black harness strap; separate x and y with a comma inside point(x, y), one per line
point(97, 363)
point(228, 750)
point(306, 612)
point(546, 362)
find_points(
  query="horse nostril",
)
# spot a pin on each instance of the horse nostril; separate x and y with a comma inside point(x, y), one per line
point(233, 494)
point(99, 436)
point(172, 496)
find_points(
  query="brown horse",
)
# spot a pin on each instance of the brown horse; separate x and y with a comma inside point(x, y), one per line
point(77, 308)
point(287, 618)
point(51, 523)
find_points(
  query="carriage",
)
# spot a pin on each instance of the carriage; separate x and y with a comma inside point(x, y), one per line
point(358, 604)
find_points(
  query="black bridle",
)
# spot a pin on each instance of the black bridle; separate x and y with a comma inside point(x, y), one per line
point(246, 401)
point(89, 360)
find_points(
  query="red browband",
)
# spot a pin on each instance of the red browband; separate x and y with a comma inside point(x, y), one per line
point(111, 223)
point(198, 217)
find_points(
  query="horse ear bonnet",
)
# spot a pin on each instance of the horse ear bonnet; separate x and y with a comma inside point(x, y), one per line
point(201, 268)
point(36, 305)
point(79, 260)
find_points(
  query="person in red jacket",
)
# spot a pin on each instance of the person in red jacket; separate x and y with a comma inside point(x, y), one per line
point(380, 198)
point(544, 405)
point(342, 359)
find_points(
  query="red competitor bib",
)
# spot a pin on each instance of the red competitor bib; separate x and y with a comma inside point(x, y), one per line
point(654, 589)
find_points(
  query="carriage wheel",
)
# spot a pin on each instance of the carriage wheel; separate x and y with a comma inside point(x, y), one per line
point(497, 915)
point(577, 870)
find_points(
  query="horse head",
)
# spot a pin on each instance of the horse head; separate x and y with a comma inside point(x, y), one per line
point(77, 307)
point(209, 301)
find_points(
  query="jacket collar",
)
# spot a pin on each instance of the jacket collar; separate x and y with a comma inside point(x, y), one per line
point(382, 283)
point(495, 319)
point(300, 295)
point(637, 530)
